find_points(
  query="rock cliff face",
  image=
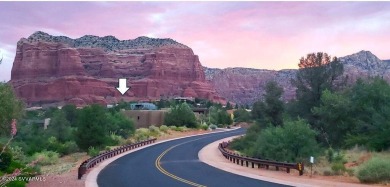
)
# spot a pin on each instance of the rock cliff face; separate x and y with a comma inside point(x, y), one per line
point(245, 85)
point(365, 64)
point(58, 69)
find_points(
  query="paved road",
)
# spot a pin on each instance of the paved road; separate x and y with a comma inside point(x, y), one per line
point(173, 164)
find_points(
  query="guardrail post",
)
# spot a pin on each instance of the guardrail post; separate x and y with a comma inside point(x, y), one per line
point(267, 166)
point(242, 162)
point(247, 163)
point(82, 171)
point(288, 170)
point(277, 168)
point(253, 165)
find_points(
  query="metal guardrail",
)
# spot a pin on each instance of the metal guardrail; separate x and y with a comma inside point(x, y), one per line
point(240, 159)
point(91, 162)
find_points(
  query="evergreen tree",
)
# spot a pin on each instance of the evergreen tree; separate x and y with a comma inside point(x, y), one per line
point(241, 115)
point(92, 127)
point(271, 110)
point(71, 113)
point(10, 108)
point(60, 127)
point(317, 72)
point(228, 106)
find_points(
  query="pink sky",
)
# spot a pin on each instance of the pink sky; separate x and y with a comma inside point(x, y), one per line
point(264, 35)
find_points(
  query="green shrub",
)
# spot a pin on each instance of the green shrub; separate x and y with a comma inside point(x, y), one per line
point(182, 129)
point(154, 131)
point(339, 157)
point(374, 171)
point(142, 134)
point(172, 127)
point(164, 128)
point(93, 151)
point(213, 127)
point(18, 154)
point(68, 147)
point(46, 157)
point(14, 165)
point(294, 142)
point(329, 154)
point(338, 168)
point(181, 115)
point(117, 139)
point(6, 159)
point(204, 126)
point(17, 183)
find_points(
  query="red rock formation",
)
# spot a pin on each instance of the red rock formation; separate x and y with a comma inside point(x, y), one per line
point(46, 71)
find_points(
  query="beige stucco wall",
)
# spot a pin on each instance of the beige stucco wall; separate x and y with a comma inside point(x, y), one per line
point(146, 118)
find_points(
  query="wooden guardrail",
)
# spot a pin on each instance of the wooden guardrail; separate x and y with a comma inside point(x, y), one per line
point(91, 162)
point(240, 159)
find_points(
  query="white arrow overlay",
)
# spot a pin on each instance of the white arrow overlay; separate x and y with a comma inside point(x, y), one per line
point(122, 86)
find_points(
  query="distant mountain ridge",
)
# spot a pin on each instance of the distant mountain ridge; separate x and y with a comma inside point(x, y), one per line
point(246, 85)
point(58, 69)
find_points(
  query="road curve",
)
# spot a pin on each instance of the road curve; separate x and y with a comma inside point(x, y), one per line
point(173, 163)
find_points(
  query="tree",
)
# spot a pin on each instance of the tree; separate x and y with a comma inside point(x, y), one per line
point(258, 110)
point(92, 127)
point(274, 105)
point(371, 110)
point(219, 116)
point(71, 113)
point(229, 106)
point(294, 142)
point(271, 110)
point(10, 108)
point(180, 115)
point(317, 72)
point(241, 115)
point(60, 127)
point(336, 117)
point(120, 124)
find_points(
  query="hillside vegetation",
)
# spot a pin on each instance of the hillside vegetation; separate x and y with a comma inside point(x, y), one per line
point(326, 119)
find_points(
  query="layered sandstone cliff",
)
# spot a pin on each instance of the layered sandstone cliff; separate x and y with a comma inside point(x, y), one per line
point(58, 69)
point(245, 85)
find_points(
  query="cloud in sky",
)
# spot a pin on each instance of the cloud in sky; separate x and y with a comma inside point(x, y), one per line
point(267, 35)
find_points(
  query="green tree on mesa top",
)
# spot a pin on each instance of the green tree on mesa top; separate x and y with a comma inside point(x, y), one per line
point(317, 72)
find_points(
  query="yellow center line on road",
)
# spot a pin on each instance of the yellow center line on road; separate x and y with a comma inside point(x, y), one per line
point(162, 170)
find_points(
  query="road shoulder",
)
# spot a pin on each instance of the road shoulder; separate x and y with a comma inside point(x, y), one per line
point(213, 157)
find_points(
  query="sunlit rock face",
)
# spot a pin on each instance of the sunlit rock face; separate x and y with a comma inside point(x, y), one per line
point(57, 69)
